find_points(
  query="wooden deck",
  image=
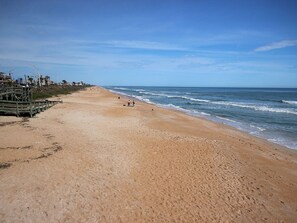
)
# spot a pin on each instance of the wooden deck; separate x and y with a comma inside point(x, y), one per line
point(25, 108)
point(18, 101)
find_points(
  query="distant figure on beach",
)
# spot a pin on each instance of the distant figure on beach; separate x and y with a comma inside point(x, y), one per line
point(133, 103)
point(129, 103)
point(119, 97)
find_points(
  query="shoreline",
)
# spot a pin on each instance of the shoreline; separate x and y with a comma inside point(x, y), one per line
point(203, 118)
point(92, 159)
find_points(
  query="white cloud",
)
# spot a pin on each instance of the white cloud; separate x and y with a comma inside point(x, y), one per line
point(146, 45)
point(277, 45)
point(77, 52)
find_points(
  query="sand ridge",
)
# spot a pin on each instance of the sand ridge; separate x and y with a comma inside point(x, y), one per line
point(91, 159)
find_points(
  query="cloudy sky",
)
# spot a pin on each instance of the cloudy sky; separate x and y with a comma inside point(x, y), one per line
point(165, 43)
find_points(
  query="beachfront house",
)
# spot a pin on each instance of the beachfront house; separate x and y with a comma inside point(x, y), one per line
point(5, 78)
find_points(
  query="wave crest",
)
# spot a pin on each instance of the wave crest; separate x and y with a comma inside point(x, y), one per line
point(258, 108)
point(290, 102)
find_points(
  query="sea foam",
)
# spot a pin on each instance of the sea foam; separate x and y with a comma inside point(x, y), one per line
point(290, 102)
point(258, 108)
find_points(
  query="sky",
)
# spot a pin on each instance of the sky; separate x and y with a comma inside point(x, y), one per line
point(152, 43)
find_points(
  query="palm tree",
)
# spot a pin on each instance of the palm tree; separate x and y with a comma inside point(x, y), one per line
point(30, 80)
point(46, 78)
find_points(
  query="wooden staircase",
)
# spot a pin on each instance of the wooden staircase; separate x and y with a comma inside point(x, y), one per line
point(18, 101)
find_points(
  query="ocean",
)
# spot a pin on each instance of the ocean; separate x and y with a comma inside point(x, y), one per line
point(269, 113)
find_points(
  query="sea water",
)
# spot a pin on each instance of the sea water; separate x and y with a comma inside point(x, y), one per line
point(269, 113)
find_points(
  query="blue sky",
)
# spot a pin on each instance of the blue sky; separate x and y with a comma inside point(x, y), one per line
point(164, 43)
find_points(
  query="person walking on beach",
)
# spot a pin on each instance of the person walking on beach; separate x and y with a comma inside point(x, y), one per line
point(133, 103)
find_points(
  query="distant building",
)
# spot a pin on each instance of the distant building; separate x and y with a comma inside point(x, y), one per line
point(5, 78)
point(35, 81)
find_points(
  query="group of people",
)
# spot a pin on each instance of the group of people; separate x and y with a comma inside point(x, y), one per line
point(129, 104)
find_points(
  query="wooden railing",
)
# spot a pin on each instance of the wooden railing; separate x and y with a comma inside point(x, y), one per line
point(25, 108)
point(15, 93)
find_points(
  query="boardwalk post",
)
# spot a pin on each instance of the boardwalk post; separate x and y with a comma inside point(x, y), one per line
point(17, 109)
point(31, 110)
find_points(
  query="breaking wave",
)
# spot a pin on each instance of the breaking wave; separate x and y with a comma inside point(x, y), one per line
point(257, 108)
point(290, 102)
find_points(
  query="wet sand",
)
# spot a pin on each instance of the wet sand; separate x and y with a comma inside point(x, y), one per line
point(91, 159)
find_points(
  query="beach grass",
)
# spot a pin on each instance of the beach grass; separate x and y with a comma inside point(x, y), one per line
point(55, 90)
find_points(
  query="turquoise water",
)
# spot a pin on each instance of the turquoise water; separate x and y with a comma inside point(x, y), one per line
point(269, 113)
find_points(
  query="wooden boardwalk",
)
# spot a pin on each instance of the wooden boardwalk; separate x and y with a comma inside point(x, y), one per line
point(18, 101)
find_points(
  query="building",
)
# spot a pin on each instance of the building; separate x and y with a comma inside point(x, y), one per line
point(5, 78)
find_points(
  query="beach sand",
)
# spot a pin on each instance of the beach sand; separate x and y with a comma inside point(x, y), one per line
point(91, 159)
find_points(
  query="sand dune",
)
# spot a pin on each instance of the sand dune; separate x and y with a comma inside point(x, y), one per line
point(91, 159)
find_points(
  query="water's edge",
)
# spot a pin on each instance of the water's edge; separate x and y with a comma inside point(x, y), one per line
point(216, 119)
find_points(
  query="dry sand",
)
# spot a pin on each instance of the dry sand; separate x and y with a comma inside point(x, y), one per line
point(91, 159)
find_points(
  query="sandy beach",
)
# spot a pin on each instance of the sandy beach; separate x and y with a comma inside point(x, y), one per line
point(91, 159)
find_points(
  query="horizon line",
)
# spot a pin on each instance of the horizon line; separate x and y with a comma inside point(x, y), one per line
point(191, 86)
